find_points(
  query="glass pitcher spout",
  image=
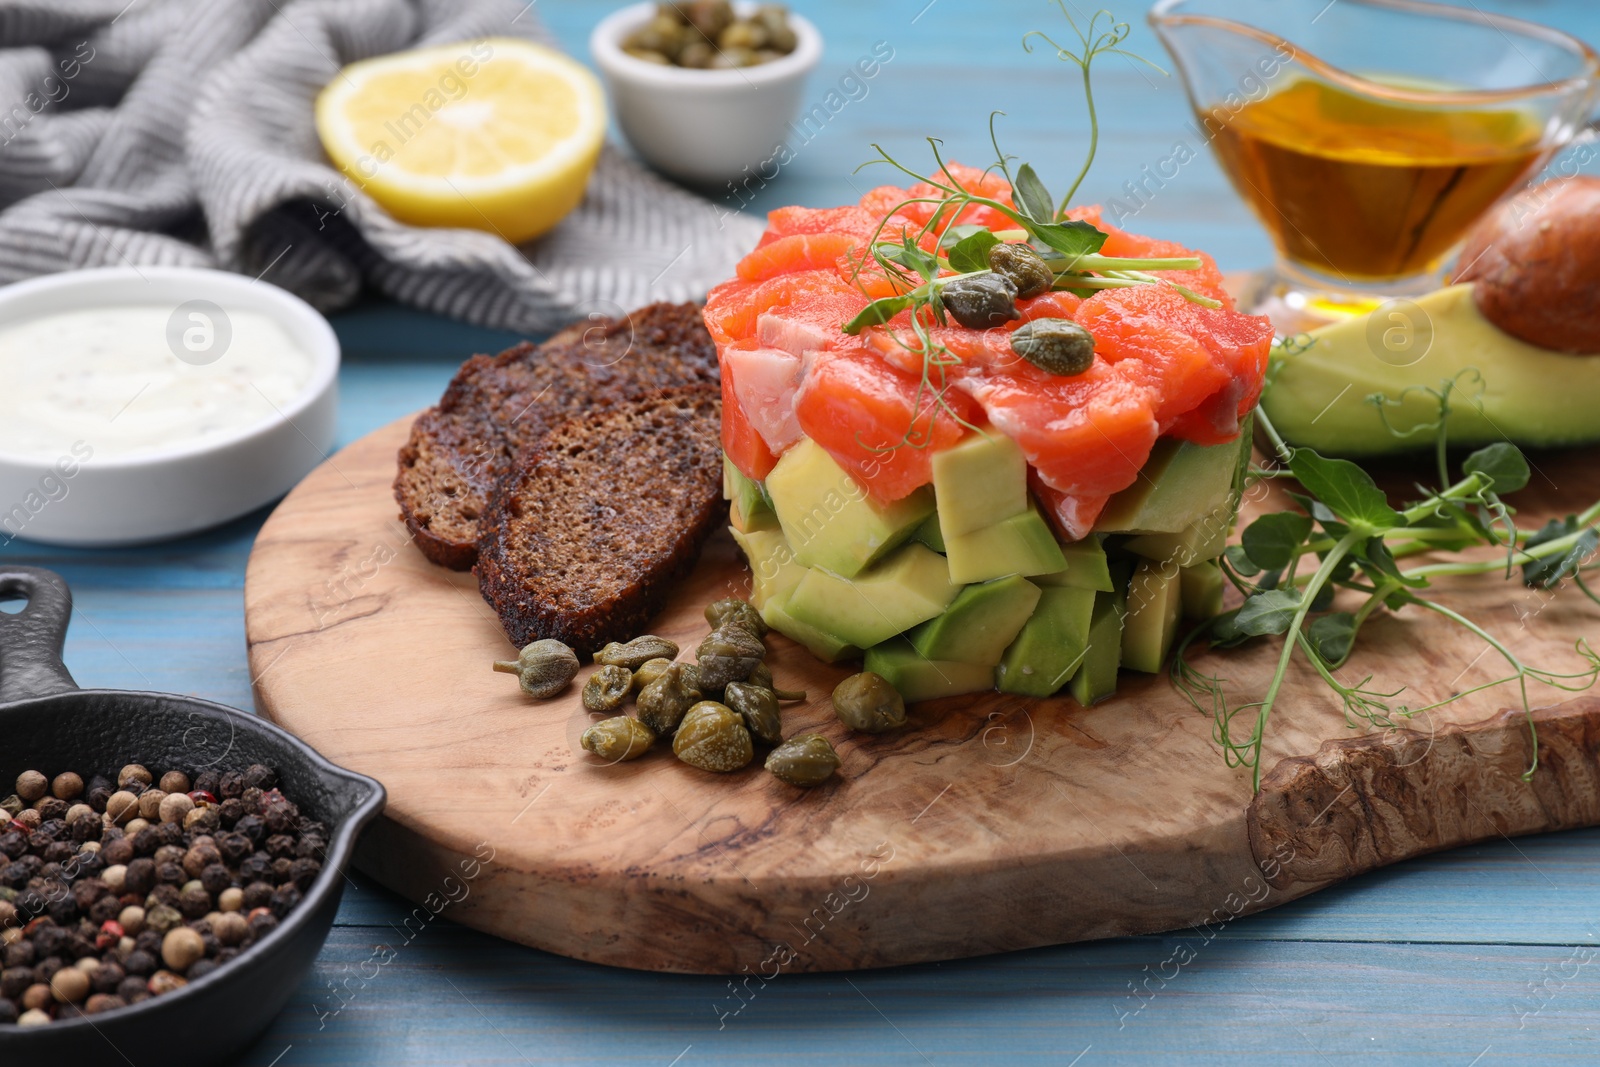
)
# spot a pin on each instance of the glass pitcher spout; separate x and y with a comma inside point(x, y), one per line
point(1369, 135)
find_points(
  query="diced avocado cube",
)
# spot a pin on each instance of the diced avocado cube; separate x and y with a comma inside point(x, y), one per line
point(1086, 567)
point(1051, 646)
point(1155, 600)
point(824, 646)
point(916, 678)
point(979, 482)
point(979, 623)
point(748, 507)
point(1097, 677)
point(1204, 539)
point(909, 587)
point(829, 520)
point(1022, 544)
point(929, 534)
point(1180, 483)
point(1202, 590)
point(774, 572)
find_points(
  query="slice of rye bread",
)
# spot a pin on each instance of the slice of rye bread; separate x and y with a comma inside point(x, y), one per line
point(497, 406)
point(586, 535)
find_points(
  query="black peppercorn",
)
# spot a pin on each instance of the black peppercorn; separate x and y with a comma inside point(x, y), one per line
point(258, 777)
point(279, 845)
point(284, 899)
point(140, 878)
point(148, 941)
point(216, 878)
point(118, 852)
point(234, 848)
point(262, 924)
point(312, 847)
point(105, 910)
point(207, 782)
point(51, 808)
point(20, 954)
point(257, 895)
point(200, 969)
point(46, 969)
point(170, 833)
point(171, 874)
point(252, 827)
point(12, 843)
point(231, 784)
point(230, 811)
point(132, 986)
point(165, 893)
point(194, 902)
point(280, 869)
point(147, 841)
point(108, 977)
point(254, 867)
point(14, 981)
point(8, 1012)
point(304, 871)
point(141, 962)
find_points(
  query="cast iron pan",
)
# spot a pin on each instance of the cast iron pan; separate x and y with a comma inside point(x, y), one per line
point(48, 724)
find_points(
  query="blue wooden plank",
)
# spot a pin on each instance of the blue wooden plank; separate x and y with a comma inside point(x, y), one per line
point(1427, 962)
point(451, 994)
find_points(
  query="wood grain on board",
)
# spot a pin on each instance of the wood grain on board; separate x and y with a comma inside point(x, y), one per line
point(990, 823)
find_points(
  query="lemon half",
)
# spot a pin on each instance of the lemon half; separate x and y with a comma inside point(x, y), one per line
point(496, 134)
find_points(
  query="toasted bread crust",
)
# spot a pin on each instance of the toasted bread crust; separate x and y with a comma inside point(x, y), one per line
point(584, 537)
point(497, 406)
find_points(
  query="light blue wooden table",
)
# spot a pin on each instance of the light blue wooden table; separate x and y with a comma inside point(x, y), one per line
point(1476, 957)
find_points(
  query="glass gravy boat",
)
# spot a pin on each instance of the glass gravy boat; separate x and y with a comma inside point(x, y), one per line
point(1369, 135)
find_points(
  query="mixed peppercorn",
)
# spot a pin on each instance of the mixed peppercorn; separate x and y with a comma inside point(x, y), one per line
point(716, 710)
point(113, 891)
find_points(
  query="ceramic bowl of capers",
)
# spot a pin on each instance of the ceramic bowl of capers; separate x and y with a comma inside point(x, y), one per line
point(704, 89)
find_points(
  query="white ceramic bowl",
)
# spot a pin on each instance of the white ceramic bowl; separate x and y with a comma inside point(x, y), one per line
point(703, 125)
point(180, 488)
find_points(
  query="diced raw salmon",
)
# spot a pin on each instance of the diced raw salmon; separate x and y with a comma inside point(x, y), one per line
point(764, 384)
point(740, 442)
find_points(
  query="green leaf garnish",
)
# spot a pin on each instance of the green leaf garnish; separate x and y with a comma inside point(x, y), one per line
point(1268, 612)
point(1273, 541)
point(877, 313)
point(1347, 490)
point(971, 253)
point(1032, 197)
point(1502, 463)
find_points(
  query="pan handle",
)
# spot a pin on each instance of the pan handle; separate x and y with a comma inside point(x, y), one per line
point(31, 640)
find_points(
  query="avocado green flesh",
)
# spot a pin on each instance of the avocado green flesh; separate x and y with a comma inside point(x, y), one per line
point(773, 570)
point(1086, 567)
point(1154, 602)
point(1023, 544)
point(929, 533)
point(830, 521)
point(909, 587)
point(824, 646)
point(1096, 678)
point(1179, 484)
point(917, 678)
point(1505, 388)
point(980, 481)
point(1049, 649)
point(1202, 590)
point(1205, 539)
point(979, 623)
point(748, 506)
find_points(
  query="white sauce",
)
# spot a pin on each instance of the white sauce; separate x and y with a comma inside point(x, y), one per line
point(107, 377)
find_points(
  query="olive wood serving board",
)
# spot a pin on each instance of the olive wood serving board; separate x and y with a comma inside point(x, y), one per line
point(990, 823)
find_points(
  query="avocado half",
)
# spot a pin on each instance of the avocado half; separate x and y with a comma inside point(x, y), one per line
point(1505, 389)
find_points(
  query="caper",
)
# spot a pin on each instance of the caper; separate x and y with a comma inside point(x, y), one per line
point(780, 35)
point(636, 653)
point(649, 56)
point(762, 676)
point(618, 738)
point(1059, 346)
point(980, 301)
point(649, 671)
point(732, 611)
point(806, 760)
point(742, 34)
point(544, 668)
point(663, 702)
point(696, 54)
point(710, 17)
point(728, 654)
point(661, 34)
point(607, 688)
point(730, 58)
point(759, 709)
point(1023, 268)
point(868, 703)
point(713, 738)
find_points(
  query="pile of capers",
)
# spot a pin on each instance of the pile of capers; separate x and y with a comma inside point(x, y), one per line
point(716, 710)
point(709, 35)
point(984, 301)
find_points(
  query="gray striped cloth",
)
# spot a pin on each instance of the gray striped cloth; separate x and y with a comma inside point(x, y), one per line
point(180, 132)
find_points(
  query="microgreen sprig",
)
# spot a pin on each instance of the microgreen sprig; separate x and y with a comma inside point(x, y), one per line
point(1348, 525)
